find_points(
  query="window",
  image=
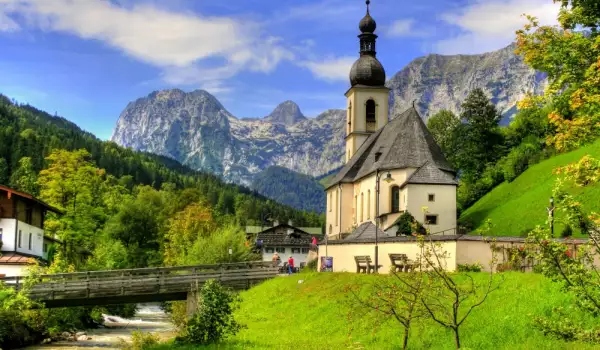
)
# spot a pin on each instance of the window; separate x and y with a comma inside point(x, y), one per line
point(45, 247)
point(330, 229)
point(295, 250)
point(304, 250)
point(330, 200)
point(368, 204)
point(349, 118)
point(431, 197)
point(370, 107)
point(29, 215)
point(337, 200)
point(20, 238)
point(0, 234)
point(355, 209)
point(431, 219)
point(280, 250)
point(362, 207)
point(269, 250)
point(29, 240)
point(395, 199)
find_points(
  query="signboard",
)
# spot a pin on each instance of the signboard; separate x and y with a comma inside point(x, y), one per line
point(326, 264)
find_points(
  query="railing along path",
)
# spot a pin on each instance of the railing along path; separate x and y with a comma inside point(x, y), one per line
point(170, 282)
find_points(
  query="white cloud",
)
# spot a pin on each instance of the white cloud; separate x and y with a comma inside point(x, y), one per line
point(7, 24)
point(174, 41)
point(405, 28)
point(490, 25)
point(332, 69)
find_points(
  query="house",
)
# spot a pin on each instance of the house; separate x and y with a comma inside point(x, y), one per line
point(393, 164)
point(22, 235)
point(287, 241)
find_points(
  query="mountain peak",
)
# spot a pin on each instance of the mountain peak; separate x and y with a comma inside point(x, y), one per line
point(287, 113)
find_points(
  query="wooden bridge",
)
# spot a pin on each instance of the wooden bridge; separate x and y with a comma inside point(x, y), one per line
point(139, 285)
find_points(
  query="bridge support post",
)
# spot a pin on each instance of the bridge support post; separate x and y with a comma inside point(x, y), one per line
point(191, 303)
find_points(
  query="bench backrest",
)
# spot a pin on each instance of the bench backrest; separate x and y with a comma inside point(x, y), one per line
point(395, 257)
point(362, 259)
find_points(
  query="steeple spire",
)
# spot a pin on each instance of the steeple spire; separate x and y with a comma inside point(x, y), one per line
point(367, 70)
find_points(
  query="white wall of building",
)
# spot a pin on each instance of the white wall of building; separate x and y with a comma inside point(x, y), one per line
point(8, 234)
point(444, 205)
point(11, 270)
point(298, 257)
point(37, 239)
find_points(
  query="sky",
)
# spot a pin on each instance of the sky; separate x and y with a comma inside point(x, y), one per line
point(86, 59)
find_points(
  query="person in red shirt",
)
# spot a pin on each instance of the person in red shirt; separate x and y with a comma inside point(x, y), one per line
point(314, 242)
point(290, 265)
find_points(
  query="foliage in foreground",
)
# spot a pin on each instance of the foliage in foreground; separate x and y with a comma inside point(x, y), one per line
point(214, 320)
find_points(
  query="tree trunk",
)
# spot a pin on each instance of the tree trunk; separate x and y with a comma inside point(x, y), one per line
point(405, 340)
point(456, 338)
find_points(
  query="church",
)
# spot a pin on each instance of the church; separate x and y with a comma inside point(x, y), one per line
point(392, 164)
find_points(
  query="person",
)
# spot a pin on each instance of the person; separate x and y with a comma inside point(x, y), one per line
point(291, 265)
point(275, 259)
point(314, 242)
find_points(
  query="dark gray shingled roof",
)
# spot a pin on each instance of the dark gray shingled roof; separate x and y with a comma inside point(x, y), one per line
point(366, 231)
point(430, 174)
point(297, 238)
point(404, 142)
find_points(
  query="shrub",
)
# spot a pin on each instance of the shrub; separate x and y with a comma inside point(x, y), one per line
point(140, 341)
point(312, 265)
point(213, 321)
point(567, 231)
point(406, 225)
point(519, 159)
point(476, 267)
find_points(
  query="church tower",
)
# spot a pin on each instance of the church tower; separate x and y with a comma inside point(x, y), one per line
point(368, 98)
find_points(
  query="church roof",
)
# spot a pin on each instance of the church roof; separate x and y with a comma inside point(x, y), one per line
point(366, 231)
point(404, 142)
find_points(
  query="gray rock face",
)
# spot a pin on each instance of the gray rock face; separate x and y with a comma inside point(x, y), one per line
point(439, 82)
point(287, 113)
point(195, 129)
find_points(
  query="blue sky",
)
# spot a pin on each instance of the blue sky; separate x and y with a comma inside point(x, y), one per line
point(86, 59)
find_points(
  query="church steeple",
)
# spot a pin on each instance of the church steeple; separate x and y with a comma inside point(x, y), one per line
point(368, 97)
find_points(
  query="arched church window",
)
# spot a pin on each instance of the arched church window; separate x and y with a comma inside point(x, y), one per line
point(395, 199)
point(370, 112)
point(330, 229)
point(350, 118)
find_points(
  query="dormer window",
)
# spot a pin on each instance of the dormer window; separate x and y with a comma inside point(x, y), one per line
point(377, 155)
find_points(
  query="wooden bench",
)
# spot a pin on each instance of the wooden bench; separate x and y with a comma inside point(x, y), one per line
point(364, 263)
point(401, 263)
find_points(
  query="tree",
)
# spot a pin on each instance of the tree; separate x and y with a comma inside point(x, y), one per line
point(3, 171)
point(478, 141)
point(213, 320)
point(24, 178)
point(398, 298)
point(568, 53)
point(451, 297)
point(442, 125)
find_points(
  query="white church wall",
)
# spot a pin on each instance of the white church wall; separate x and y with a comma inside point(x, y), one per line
point(444, 205)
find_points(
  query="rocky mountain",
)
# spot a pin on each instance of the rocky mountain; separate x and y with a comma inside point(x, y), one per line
point(196, 129)
point(439, 82)
point(287, 113)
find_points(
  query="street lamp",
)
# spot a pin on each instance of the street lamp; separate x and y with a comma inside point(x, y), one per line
point(388, 179)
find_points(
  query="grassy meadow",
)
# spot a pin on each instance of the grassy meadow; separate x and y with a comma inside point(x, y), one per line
point(285, 314)
point(517, 207)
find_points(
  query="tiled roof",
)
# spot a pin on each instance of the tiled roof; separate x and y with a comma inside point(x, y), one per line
point(430, 174)
point(11, 258)
point(439, 238)
point(366, 231)
point(11, 192)
point(283, 239)
point(311, 230)
point(404, 142)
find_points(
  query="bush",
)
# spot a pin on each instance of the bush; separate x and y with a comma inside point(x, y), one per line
point(312, 265)
point(519, 159)
point(407, 225)
point(140, 341)
point(213, 321)
point(567, 232)
point(476, 267)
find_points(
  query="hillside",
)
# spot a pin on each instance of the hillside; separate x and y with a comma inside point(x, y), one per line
point(519, 206)
point(28, 132)
point(290, 188)
point(286, 314)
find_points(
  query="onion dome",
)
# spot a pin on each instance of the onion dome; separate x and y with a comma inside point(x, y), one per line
point(367, 70)
point(367, 24)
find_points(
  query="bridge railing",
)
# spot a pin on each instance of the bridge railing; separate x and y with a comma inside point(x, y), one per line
point(108, 283)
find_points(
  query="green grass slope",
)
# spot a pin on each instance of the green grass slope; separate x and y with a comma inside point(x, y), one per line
point(519, 206)
point(285, 314)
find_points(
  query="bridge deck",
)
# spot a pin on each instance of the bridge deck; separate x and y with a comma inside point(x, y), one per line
point(139, 285)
